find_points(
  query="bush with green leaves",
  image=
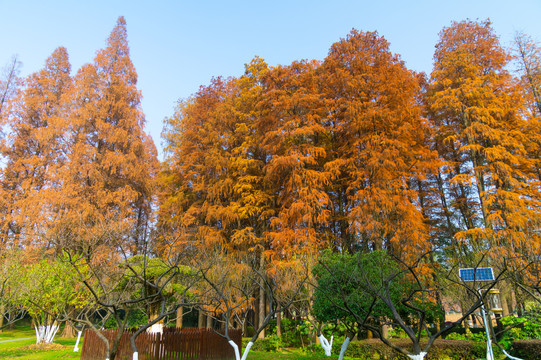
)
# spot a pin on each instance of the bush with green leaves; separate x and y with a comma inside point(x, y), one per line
point(347, 287)
point(441, 350)
point(522, 328)
point(527, 349)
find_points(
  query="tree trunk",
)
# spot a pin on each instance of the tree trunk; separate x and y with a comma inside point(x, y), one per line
point(278, 323)
point(2, 311)
point(201, 320)
point(180, 314)
point(261, 299)
point(505, 306)
point(385, 331)
point(69, 331)
point(209, 322)
point(467, 325)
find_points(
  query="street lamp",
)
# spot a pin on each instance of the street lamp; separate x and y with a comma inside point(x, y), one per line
point(493, 299)
point(480, 274)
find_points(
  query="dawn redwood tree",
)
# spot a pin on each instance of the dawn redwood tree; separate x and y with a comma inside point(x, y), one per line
point(298, 142)
point(112, 161)
point(379, 145)
point(214, 184)
point(475, 108)
point(34, 152)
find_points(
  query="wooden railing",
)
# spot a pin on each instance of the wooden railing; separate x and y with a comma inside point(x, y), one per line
point(172, 344)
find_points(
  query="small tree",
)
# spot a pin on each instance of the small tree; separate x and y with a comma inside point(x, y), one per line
point(375, 290)
point(232, 295)
point(49, 288)
point(133, 284)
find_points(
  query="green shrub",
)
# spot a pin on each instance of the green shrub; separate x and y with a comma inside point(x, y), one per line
point(525, 328)
point(440, 350)
point(269, 344)
point(295, 332)
point(527, 349)
point(136, 319)
point(249, 331)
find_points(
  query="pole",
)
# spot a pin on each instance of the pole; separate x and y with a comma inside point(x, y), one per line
point(490, 354)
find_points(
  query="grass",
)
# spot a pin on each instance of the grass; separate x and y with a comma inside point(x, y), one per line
point(26, 349)
point(284, 355)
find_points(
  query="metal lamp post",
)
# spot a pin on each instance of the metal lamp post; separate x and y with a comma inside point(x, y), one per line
point(494, 302)
point(480, 274)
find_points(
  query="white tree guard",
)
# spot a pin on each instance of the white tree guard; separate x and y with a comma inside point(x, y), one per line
point(325, 344)
point(236, 348)
point(419, 356)
point(344, 348)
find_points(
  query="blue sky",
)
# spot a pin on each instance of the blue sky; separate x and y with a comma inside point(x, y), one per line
point(177, 46)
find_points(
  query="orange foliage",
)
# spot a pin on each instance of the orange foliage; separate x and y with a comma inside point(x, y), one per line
point(476, 108)
point(77, 157)
point(295, 158)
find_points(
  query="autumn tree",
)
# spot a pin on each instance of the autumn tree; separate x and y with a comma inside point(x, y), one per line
point(34, 152)
point(214, 184)
point(112, 161)
point(487, 184)
point(297, 144)
point(475, 109)
point(379, 146)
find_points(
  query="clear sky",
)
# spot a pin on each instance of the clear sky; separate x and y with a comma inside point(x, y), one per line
point(177, 46)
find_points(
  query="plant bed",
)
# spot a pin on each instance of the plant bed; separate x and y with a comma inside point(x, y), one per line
point(440, 350)
point(527, 349)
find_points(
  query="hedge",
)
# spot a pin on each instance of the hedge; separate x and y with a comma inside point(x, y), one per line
point(441, 349)
point(527, 349)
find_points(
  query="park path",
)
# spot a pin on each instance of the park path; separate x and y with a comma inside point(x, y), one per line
point(19, 339)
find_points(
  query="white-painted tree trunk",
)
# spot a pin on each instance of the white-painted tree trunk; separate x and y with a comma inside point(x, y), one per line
point(419, 356)
point(46, 334)
point(136, 356)
point(325, 344)
point(237, 353)
point(509, 356)
point(76, 347)
point(344, 348)
point(156, 328)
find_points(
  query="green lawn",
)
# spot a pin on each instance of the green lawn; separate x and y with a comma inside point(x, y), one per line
point(24, 349)
point(259, 355)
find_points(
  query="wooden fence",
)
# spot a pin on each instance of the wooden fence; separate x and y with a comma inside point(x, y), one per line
point(172, 344)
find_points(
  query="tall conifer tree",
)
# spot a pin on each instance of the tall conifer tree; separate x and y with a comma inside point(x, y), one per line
point(34, 151)
point(475, 108)
point(109, 178)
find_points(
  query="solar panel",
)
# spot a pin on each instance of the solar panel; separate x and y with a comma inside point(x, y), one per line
point(476, 274)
